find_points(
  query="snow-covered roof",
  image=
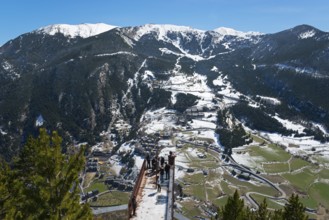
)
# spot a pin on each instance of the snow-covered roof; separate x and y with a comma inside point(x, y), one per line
point(81, 30)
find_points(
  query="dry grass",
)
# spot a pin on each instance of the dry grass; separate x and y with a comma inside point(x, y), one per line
point(118, 215)
point(88, 179)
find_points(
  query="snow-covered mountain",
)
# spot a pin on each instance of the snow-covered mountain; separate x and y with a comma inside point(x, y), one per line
point(80, 30)
point(232, 32)
point(83, 82)
point(162, 31)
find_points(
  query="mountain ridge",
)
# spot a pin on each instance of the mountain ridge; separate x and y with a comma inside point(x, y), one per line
point(81, 30)
point(83, 86)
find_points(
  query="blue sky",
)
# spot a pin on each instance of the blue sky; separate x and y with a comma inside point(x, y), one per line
point(267, 16)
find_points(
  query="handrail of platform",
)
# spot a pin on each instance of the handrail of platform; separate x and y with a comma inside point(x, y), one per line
point(136, 188)
point(170, 205)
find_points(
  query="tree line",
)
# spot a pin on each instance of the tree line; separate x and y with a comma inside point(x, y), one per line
point(230, 136)
point(234, 209)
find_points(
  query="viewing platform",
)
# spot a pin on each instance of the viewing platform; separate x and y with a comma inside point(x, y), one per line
point(153, 203)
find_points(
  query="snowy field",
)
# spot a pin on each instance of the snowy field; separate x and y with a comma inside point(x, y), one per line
point(158, 120)
point(290, 125)
point(247, 160)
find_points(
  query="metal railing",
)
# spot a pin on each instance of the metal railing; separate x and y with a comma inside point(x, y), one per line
point(136, 188)
point(170, 205)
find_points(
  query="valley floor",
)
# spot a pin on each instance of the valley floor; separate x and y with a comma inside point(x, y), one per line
point(271, 167)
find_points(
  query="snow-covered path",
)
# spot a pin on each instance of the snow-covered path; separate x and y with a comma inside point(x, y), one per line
point(152, 204)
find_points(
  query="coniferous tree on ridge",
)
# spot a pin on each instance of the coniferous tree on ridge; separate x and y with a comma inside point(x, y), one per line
point(234, 208)
point(42, 183)
point(294, 209)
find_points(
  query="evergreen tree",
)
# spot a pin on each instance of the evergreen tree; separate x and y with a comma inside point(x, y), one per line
point(249, 214)
point(42, 183)
point(277, 215)
point(4, 194)
point(262, 213)
point(294, 209)
point(234, 208)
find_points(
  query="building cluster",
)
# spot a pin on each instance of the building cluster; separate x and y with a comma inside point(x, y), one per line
point(90, 195)
point(194, 112)
point(149, 144)
point(92, 165)
point(119, 184)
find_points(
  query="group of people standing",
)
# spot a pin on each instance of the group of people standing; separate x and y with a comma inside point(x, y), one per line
point(159, 166)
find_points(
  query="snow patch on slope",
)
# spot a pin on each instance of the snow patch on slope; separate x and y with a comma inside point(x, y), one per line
point(231, 32)
point(157, 120)
point(9, 68)
point(195, 85)
point(321, 127)
point(290, 125)
point(270, 100)
point(163, 30)
point(307, 34)
point(184, 54)
point(3, 132)
point(117, 53)
point(174, 35)
point(300, 70)
point(80, 30)
point(228, 93)
point(301, 143)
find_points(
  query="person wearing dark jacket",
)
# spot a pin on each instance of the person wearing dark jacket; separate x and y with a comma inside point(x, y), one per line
point(167, 170)
point(161, 173)
point(162, 161)
point(148, 159)
point(154, 164)
point(134, 204)
point(158, 184)
point(171, 158)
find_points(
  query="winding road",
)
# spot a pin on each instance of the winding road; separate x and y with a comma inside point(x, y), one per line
point(236, 165)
